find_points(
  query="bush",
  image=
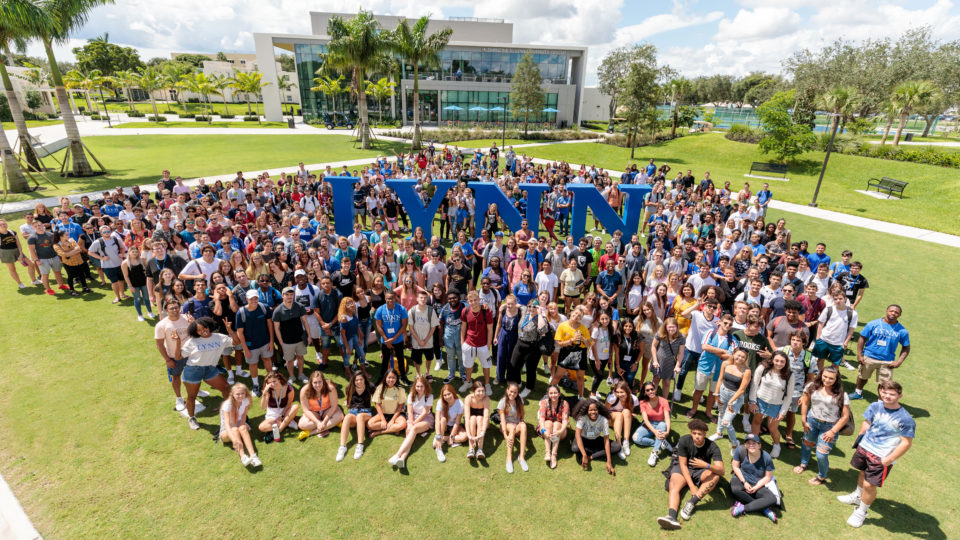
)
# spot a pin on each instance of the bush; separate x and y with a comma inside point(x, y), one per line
point(449, 135)
point(28, 115)
point(841, 143)
point(97, 117)
point(168, 111)
point(85, 113)
point(642, 139)
point(135, 114)
point(152, 118)
point(744, 134)
point(927, 155)
point(187, 115)
point(202, 118)
point(251, 118)
point(228, 116)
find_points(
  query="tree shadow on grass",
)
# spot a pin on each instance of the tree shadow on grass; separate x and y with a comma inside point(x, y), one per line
point(901, 518)
point(805, 166)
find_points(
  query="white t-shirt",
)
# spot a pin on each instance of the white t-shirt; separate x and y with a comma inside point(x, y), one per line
point(435, 271)
point(417, 407)
point(613, 403)
point(593, 429)
point(452, 412)
point(546, 282)
point(759, 300)
point(635, 296)
point(206, 351)
point(699, 283)
point(164, 330)
point(420, 324)
point(601, 337)
point(836, 327)
point(699, 327)
point(355, 239)
point(226, 407)
point(203, 267)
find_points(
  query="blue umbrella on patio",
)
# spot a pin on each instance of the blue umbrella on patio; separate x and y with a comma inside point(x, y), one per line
point(550, 109)
point(497, 108)
point(452, 108)
point(479, 108)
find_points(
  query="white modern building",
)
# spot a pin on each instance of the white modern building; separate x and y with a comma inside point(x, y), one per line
point(471, 84)
point(244, 62)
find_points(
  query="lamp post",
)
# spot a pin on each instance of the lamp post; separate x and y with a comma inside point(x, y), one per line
point(826, 158)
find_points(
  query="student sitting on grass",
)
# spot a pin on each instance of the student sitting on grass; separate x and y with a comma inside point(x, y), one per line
point(233, 424)
point(449, 421)
point(592, 437)
point(358, 413)
point(512, 425)
point(280, 401)
point(477, 409)
point(419, 409)
point(321, 411)
point(698, 466)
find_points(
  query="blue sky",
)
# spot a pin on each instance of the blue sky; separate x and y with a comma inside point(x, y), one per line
point(696, 37)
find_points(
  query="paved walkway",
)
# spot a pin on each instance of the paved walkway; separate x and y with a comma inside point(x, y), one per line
point(14, 523)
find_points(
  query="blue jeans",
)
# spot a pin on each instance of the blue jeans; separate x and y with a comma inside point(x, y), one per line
point(141, 298)
point(817, 429)
point(451, 342)
point(358, 355)
point(690, 360)
point(727, 418)
point(644, 437)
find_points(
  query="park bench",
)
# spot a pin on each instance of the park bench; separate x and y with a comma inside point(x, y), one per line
point(772, 168)
point(889, 185)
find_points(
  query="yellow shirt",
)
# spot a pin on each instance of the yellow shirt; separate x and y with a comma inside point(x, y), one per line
point(72, 260)
point(679, 306)
point(566, 332)
point(390, 399)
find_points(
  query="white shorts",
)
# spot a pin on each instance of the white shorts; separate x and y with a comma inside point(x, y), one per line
point(313, 327)
point(471, 355)
point(274, 412)
point(702, 381)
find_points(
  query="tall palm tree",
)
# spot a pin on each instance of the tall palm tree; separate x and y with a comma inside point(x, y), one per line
point(13, 34)
point(380, 90)
point(912, 95)
point(150, 80)
point(891, 109)
point(64, 16)
point(222, 82)
point(329, 86)
point(358, 44)
point(81, 82)
point(842, 101)
point(677, 89)
point(250, 82)
point(419, 48)
point(283, 84)
point(172, 74)
point(200, 84)
point(126, 79)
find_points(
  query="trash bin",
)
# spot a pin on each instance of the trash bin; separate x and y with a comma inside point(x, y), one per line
point(290, 123)
point(909, 137)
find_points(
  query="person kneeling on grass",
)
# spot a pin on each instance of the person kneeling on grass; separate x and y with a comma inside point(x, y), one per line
point(233, 424)
point(419, 408)
point(753, 484)
point(280, 401)
point(697, 465)
point(318, 401)
point(512, 425)
point(449, 421)
point(592, 438)
point(887, 433)
point(202, 352)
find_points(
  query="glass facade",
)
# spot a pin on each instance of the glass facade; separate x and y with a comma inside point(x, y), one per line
point(491, 66)
point(309, 58)
point(471, 99)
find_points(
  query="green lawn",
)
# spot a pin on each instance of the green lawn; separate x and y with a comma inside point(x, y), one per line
point(931, 201)
point(138, 159)
point(94, 449)
point(33, 123)
point(485, 144)
point(194, 124)
point(238, 109)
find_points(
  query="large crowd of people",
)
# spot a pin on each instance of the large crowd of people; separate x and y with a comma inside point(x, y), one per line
point(245, 276)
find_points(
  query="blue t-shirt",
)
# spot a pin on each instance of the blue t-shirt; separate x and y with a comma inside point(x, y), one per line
point(758, 249)
point(451, 317)
point(609, 281)
point(754, 472)
point(883, 338)
point(111, 210)
point(391, 319)
point(886, 428)
point(254, 324)
point(197, 308)
point(524, 293)
point(764, 195)
point(709, 362)
point(339, 254)
point(307, 233)
point(816, 259)
point(651, 169)
point(562, 211)
point(269, 298)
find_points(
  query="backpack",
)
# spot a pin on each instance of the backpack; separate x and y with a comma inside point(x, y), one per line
point(243, 312)
point(102, 250)
point(830, 315)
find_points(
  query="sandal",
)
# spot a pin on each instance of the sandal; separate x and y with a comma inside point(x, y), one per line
point(690, 415)
point(788, 442)
point(799, 469)
point(817, 481)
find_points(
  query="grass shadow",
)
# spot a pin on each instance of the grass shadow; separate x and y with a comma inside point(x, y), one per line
point(901, 518)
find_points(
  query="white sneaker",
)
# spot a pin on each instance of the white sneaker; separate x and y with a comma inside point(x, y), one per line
point(241, 373)
point(488, 389)
point(303, 379)
point(149, 316)
point(181, 404)
point(22, 286)
point(523, 464)
point(358, 452)
point(850, 367)
point(440, 457)
point(509, 466)
point(775, 451)
point(393, 460)
point(715, 437)
point(609, 382)
point(850, 498)
point(341, 453)
point(747, 426)
point(293, 425)
point(464, 387)
point(733, 450)
point(652, 460)
point(203, 393)
point(626, 447)
point(230, 380)
point(524, 393)
point(139, 318)
point(37, 282)
point(255, 461)
point(622, 455)
point(676, 395)
point(436, 366)
point(245, 460)
point(856, 518)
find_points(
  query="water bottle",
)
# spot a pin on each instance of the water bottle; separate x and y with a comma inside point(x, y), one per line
point(276, 432)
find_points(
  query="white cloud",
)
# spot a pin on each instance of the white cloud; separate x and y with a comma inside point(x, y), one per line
point(759, 23)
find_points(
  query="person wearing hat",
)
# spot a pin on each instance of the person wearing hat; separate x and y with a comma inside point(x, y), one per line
point(290, 324)
point(256, 336)
point(753, 484)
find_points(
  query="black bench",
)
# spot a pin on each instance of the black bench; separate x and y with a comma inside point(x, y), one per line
point(889, 185)
point(775, 168)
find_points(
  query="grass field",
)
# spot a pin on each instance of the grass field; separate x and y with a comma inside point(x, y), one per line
point(931, 200)
point(193, 124)
point(94, 449)
point(31, 123)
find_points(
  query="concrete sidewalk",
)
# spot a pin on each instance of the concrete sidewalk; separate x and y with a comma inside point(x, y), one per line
point(14, 523)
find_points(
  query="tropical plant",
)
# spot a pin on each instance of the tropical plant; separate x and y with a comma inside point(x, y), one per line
point(891, 109)
point(15, 26)
point(200, 84)
point(53, 23)
point(80, 82)
point(222, 82)
point(842, 102)
point(172, 77)
point(677, 89)
point(526, 90)
point(249, 82)
point(912, 95)
point(358, 44)
point(329, 86)
point(126, 79)
point(150, 80)
point(381, 90)
point(284, 84)
point(418, 48)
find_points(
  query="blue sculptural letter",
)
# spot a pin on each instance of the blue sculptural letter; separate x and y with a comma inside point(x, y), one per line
point(587, 196)
point(488, 193)
point(342, 202)
point(420, 216)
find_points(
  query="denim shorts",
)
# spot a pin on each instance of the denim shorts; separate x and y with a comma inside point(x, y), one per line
point(198, 374)
point(358, 412)
point(768, 409)
point(113, 274)
point(176, 370)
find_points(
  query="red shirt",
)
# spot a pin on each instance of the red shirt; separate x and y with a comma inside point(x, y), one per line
point(476, 326)
point(658, 414)
point(611, 257)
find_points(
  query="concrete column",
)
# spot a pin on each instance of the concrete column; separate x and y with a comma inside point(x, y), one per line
point(267, 62)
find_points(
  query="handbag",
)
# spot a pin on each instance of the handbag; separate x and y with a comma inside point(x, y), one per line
point(547, 342)
point(571, 357)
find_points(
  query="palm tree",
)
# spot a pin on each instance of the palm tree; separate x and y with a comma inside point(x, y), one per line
point(842, 101)
point(59, 18)
point(380, 90)
point(358, 44)
point(13, 32)
point(677, 89)
point(891, 109)
point(250, 82)
point(172, 74)
point(419, 48)
point(126, 79)
point(283, 84)
point(329, 86)
point(221, 82)
point(912, 95)
point(81, 82)
point(199, 83)
point(150, 80)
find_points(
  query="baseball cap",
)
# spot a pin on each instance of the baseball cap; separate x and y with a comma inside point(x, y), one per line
point(751, 437)
point(299, 273)
point(498, 233)
point(287, 290)
point(252, 294)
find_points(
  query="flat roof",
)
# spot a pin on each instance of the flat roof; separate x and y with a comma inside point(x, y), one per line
point(290, 39)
